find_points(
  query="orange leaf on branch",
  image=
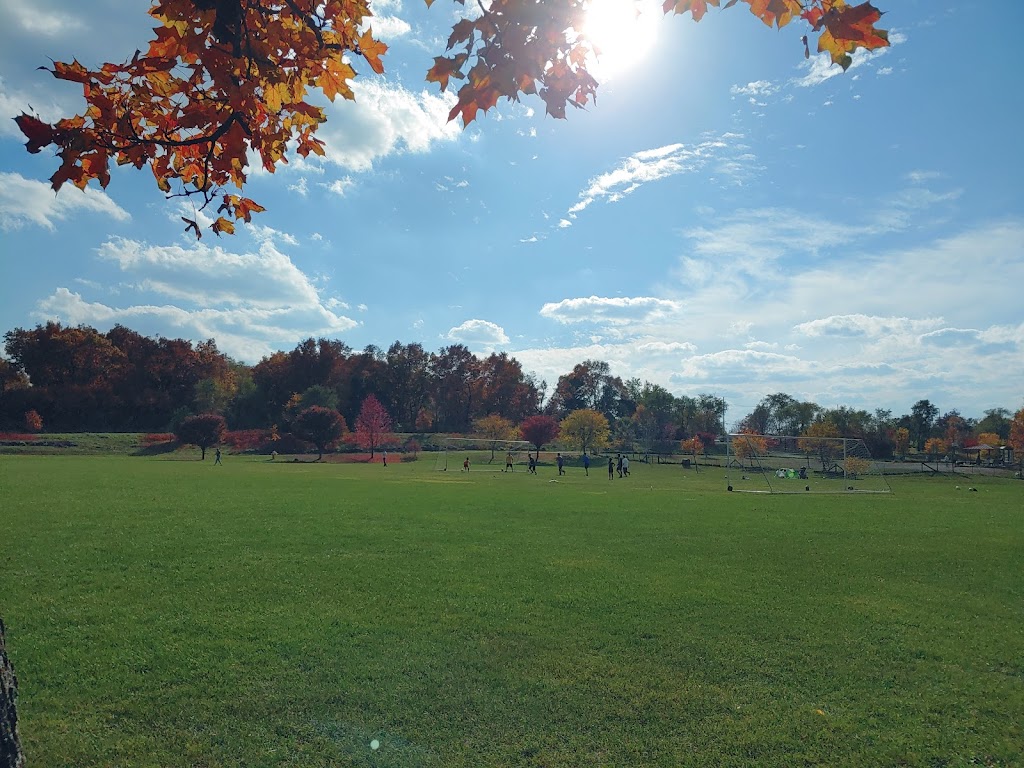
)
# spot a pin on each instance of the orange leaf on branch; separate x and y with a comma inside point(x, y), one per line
point(224, 80)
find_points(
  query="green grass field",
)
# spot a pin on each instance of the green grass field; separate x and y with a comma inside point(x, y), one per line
point(174, 613)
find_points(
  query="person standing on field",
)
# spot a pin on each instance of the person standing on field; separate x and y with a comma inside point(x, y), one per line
point(216, 457)
point(465, 464)
point(509, 465)
point(618, 463)
point(384, 457)
point(586, 464)
point(611, 469)
point(560, 462)
point(625, 466)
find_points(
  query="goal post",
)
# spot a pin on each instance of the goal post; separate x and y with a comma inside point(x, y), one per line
point(453, 451)
point(801, 464)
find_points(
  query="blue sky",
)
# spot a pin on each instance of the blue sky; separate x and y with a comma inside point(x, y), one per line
point(729, 218)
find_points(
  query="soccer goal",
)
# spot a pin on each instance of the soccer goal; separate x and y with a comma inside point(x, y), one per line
point(482, 453)
point(794, 464)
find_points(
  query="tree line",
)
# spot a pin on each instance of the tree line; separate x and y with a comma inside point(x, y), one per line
point(75, 378)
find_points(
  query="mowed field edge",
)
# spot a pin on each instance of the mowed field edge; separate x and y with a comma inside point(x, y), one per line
point(276, 613)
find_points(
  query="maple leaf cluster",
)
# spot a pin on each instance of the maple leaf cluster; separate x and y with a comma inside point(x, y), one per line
point(520, 47)
point(223, 78)
point(220, 78)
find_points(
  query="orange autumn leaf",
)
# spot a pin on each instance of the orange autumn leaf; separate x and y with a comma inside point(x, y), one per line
point(222, 81)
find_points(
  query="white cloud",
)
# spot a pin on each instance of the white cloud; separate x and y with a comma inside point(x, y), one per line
point(756, 88)
point(205, 276)
point(654, 164)
point(666, 347)
point(38, 18)
point(340, 186)
point(478, 334)
point(245, 333)
point(820, 67)
point(385, 119)
point(13, 102)
point(253, 303)
point(612, 310)
point(865, 326)
point(25, 201)
point(388, 27)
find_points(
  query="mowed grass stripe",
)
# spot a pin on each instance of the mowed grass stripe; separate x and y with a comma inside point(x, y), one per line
point(166, 612)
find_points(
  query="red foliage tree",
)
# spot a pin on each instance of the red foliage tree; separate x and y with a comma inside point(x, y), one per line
point(33, 421)
point(372, 424)
point(320, 426)
point(203, 431)
point(540, 430)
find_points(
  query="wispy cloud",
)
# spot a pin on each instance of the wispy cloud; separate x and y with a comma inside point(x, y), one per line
point(25, 201)
point(820, 68)
point(38, 18)
point(651, 165)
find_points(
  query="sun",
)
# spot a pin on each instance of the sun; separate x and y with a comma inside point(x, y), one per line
point(622, 32)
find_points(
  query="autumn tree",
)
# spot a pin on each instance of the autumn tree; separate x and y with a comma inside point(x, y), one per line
point(922, 418)
point(996, 420)
point(989, 438)
point(819, 439)
point(936, 446)
point(585, 429)
point(693, 446)
point(901, 438)
point(202, 431)
point(320, 426)
point(855, 466)
point(33, 421)
point(372, 424)
point(1016, 439)
point(749, 445)
point(496, 429)
point(223, 81)
point(539, 430)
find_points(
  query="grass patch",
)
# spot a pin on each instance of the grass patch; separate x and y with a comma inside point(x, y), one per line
point(270, 613)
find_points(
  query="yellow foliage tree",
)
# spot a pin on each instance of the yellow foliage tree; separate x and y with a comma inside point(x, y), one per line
point(936, 446)
point(585, 429)
point(496, 429)
point(854, 466)
point(902, 439)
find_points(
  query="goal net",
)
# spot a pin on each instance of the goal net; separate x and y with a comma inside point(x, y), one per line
point(482, 452)
point(801, 464)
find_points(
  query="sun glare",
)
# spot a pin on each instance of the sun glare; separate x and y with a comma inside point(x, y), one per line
point(622, 31)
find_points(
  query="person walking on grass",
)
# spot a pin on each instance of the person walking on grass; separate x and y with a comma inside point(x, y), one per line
point(465, 465)
point(384, 458)
point(618, 463)
point(586, 464)
point(216, 457)
point(560, 461)
point(611, 469)
point(533, 465)
point(625, 466)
